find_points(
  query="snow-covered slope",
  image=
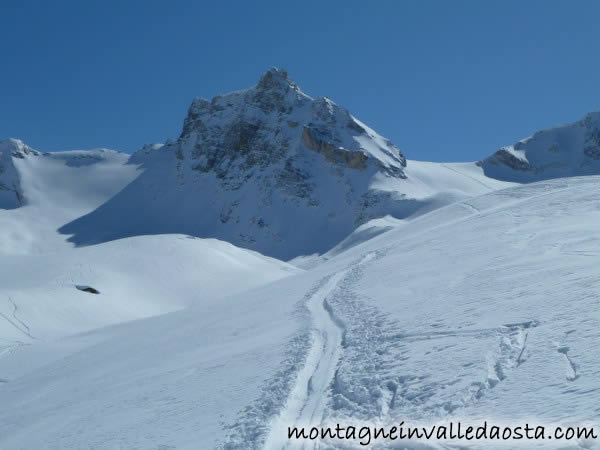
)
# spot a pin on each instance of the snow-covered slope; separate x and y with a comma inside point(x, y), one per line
point(270, 169)
point(486, 308)
point(427, 186)
point(136, 277)
point(563, 151)
point(55, 188)
point(434, 291)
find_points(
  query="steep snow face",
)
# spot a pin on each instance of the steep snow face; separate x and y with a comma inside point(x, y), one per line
point(268, 168)
point(11, 194)
point(563, 151)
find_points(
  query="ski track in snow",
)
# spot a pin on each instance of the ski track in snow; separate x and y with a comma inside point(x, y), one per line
point(350, 347)
point(307, 402)
point(467, 176)
point(308, 398)
point(11, 346)
point(15, 321)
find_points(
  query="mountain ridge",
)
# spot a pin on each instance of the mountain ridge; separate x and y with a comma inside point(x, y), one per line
point(565, 150)
point(271, 169)
point(251, 165)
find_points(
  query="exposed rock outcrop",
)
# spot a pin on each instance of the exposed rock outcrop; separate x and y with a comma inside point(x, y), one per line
point(11, 194)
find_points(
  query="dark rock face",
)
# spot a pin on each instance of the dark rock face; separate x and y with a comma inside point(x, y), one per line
point(261, 126)
point(591, 146)
point(11, 195)
point(503, 156)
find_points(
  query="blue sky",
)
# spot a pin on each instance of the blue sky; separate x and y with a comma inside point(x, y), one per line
point(444, 80)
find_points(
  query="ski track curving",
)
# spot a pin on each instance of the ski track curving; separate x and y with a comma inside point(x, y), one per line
point(9, 347)
point(307, 402)
point(15, 321)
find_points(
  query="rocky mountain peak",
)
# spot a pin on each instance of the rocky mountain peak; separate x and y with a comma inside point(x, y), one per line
point(268, 168)
point(11, 195)
point(592, 120)
point(561, 151)
point(15, 148)
point(275, 120)
point(276, 79)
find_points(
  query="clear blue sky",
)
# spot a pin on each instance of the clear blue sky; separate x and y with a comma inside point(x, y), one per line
point(444, 80)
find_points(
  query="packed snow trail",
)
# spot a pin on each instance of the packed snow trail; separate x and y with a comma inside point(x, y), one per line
point(306, 401)
point(15, 321)
point(308, 398)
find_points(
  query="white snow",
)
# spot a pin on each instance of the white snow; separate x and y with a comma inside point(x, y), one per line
point(421, 293)
point(57, 188)
point(484, 308)
point(137, 277)
point(561, 151)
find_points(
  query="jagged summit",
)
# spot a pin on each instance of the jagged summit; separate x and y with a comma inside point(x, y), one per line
point(276, 79)
point(236, 125)
point(561, 151)
point(268, 168)
point(273, 91)
point(16, 148)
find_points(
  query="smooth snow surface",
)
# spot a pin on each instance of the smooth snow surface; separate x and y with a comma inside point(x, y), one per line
point(137, 277)
point(55, 189)
point(486, 308)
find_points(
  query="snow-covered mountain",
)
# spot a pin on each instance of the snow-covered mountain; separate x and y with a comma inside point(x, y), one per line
point(562, 151)
point(11, 193)
point(54, 189)
point(270, 169)
point(415, 291)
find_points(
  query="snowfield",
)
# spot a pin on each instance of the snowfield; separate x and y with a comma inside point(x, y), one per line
point(137, 277)
point(505, 327)
point(282, 265)
point(56, 188)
